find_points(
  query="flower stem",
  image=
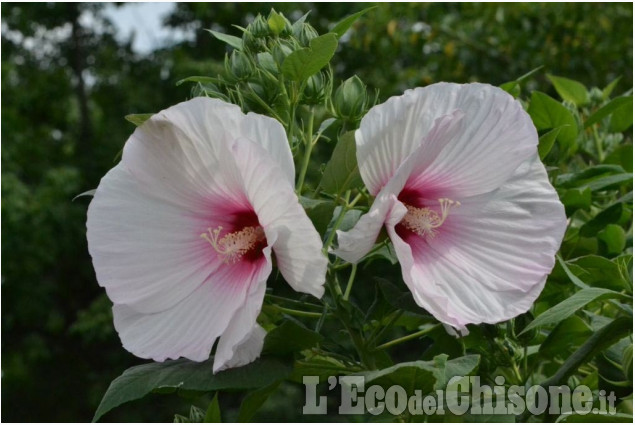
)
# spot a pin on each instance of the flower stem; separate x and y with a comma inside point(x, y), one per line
point(296, 312)
point(308, 147)
point(299, 303)
point(405, 338)
point(337, 224)
point(351, 279)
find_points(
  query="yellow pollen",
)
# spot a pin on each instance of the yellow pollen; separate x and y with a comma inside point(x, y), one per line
point(234, 245)
point(425, 221)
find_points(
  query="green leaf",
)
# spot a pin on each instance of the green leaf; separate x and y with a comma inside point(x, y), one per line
point(213, 411)
point(138, 119)
point(610, 215)
point(173, 375)
point(303, 63)
point(235, 42)
point(321, 215)
point(276, 22)
point(565, 337)
point(622, 155)
point(622, 118)
point(614, 238)
point(600, 271)
point(570, 90)
point(351, 217)
point(595, 418)
point(572, 304)
point(342, 172)
point(546, 142)
point(548, 113)
point(342, 26)
point(608, 109)
point(288, 338)
point(576, 281)
point(606, 92)
point(423, 375)
point(397, 298)
point(580, 178)
point(576, 199)
point(511, 87)
point(608, 181)
point(461, 366)
point(601, 339)
point(254, 400)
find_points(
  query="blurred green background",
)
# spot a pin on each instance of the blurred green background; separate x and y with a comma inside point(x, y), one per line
point(68, 79)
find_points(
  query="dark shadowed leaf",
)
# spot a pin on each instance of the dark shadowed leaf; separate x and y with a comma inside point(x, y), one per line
point(342, 172)
point(289, 338)
point(572, 304)
point(254, 400)
point(172, 375)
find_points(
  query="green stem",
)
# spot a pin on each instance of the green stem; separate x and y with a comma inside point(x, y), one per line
point(296, 302)
point(598, 144)
point(296, 312)
point(337, 224)
point(308, 147)
point(378, 333)
point(351, 279)
point(405, 338)
point(525, 369)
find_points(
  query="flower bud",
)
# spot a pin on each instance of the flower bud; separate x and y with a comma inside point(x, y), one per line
point(350, 100)
point(240, 65)
point(259, 28)
point(280, 51)
point(304, 34)
point(314, 90)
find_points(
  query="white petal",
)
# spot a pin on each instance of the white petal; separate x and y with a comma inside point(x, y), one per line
point(492, 256)
point(147, 253)
point(495, 137)
point(354, 244)
point(297, 245)
point(358, 241)
point(194, 133)
point(145, 220)
point(190, 328)
point(242, 341)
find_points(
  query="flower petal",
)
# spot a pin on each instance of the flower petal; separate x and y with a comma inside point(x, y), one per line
point(192, 136)
point(147, 253)
point(242, 341)
point(145, 220)
point(496, 135)
point(492, 256)
point(297, 245)
point(190, 328)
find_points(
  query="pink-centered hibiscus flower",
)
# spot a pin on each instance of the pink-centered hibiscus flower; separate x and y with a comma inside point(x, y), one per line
point(464, 198)
point(182, 230)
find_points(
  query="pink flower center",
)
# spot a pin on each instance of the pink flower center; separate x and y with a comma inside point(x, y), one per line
point(425, 221)
point(234, 246)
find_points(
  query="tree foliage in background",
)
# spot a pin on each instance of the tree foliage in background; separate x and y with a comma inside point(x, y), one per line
point(68, 81)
